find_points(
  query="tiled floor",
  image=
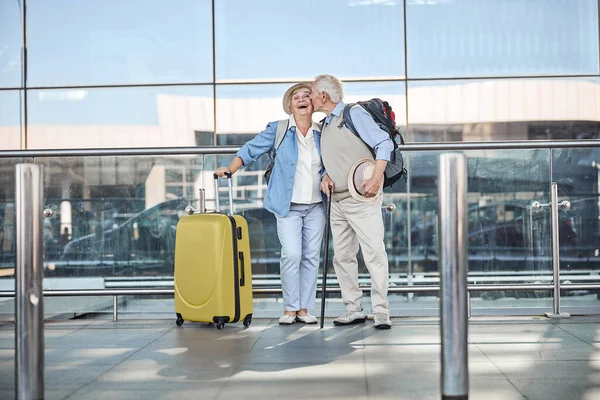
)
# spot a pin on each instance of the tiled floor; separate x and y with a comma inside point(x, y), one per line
point(509, 358)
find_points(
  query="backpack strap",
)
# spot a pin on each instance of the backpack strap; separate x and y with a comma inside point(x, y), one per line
point(282, 128)
point(347, 120)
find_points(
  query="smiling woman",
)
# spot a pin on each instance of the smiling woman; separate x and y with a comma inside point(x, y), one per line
point(293, 196)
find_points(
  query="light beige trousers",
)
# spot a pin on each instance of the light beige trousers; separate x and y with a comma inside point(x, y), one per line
point(353, 223)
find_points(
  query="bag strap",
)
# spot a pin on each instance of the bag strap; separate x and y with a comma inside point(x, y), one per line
point(321, 124)
point(347, 120)
point(282, 128)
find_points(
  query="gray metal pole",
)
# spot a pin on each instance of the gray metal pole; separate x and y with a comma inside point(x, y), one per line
point(29, 337)
point(452, 219)
point(555, 254)
point(115, 308)
point(202, 201)
point(555, 248)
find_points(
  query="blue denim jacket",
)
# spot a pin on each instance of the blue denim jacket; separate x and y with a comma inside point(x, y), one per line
point(279, 191)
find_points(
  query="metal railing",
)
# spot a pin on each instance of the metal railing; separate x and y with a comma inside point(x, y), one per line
point(227, 150)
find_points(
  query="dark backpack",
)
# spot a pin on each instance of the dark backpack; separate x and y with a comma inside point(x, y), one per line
point(382, 114)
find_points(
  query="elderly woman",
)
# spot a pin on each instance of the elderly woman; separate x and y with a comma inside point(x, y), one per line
point(294, 197)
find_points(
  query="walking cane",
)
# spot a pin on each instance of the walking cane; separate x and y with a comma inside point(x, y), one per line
point(325, 258)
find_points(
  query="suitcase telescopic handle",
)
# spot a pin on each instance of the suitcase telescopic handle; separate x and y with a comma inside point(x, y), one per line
point(230, 185)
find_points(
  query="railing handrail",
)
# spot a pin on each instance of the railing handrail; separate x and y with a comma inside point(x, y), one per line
point(224, 150)
point(517, 287)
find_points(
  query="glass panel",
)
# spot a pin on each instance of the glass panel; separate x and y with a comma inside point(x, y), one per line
point(249, 190)
point(8, 230)
point(465, 38)
point(116, 216)
point(256, 105)
point(504, 109)
point(11, 33)
point(294, 47)
point(10, 119)
point(577, 172)
point(100, 42)
point(507, 243)
point(120, 117)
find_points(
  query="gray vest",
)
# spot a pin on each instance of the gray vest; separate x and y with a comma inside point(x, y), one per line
point(340, 149)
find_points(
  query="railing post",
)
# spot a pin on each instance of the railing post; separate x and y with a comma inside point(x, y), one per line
point(556, 251)
point(115, 308)
point(29, 305)
point(452, 219)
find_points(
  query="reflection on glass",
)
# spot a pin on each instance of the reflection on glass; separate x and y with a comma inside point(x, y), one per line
point(504, 235)
point(256, 105)
point(118, 42)
point(116, 216)
point(504, 109)
point(7, 221)
point(301, 39)
point(11, 33)
point(577, 172)
point(8, 235)
point(395, 215)
point(465, 38)
point(10, 119)
point(120, 117)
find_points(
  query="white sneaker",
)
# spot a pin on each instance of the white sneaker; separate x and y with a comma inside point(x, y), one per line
point(350, 317)
point(306, 319)
point(382, 321)
point(287, 319)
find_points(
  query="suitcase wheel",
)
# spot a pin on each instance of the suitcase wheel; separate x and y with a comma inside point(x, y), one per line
point(247, 320)
point(179, 320)
point(220, 322)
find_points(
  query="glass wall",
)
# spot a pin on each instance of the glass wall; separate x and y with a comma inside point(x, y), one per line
point(133, 73)
point(11, 39)
point(97, 42)
point(301, 39)
point(214, 71)
point(489, 38)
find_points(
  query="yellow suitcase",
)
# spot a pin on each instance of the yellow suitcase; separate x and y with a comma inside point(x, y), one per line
point(213, 274)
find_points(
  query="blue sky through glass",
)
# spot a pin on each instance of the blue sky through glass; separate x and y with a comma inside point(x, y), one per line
point(462, 38)
point(11, 32)
point(273, 39)
point(93, 42)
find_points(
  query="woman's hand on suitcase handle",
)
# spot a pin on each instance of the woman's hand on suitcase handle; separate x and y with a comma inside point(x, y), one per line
point(226, 172)
point(223, 172)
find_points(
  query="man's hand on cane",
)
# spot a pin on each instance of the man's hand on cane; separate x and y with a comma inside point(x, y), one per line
point(327, 185)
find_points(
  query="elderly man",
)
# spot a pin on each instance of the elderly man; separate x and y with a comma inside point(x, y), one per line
point(354, 220)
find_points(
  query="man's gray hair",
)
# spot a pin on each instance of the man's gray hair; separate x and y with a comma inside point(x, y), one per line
point(332, 86)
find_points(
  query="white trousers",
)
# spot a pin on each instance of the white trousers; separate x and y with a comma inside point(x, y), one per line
point(300, 234)
point(353, 223)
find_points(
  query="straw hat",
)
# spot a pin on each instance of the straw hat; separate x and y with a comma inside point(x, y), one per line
point(360, 172)
point(288, 94)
